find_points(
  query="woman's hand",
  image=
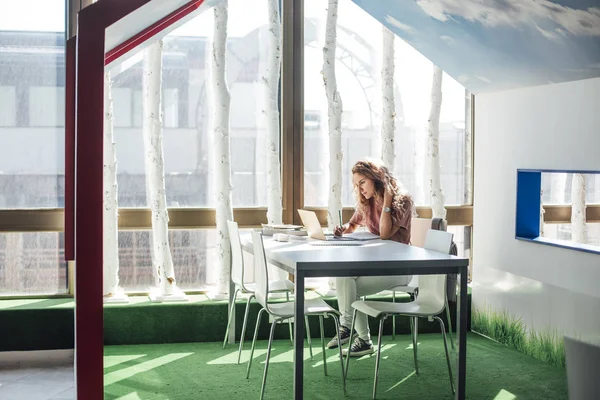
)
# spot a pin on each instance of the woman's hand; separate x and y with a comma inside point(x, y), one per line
point(338, 231)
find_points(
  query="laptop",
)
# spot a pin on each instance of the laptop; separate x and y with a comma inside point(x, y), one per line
point(314, 230)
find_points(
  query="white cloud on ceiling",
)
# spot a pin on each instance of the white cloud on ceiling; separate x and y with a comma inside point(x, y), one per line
point(448, 40)
point(483, 79)
point(394, 22)
point(463, 79)
point(547, 34)
point(516, 13)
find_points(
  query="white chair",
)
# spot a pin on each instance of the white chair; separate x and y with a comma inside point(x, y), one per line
point(429, 303)
point(237, 276)
point(418, 233)
point(283, 311)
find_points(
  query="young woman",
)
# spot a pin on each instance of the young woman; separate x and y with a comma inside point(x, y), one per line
point(386, 209)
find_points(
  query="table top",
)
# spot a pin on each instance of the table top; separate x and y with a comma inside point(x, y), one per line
point(373, 257)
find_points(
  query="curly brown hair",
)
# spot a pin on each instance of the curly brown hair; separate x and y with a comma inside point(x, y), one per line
point(382, 178)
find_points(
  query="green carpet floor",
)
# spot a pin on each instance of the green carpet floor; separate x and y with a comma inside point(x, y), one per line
point(206, 371)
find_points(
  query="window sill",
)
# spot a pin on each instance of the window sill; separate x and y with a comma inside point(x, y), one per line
point(587, 248)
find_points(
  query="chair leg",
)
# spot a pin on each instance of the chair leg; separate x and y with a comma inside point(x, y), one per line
point(244, 327)
point(230, 317)
point(447, 354)
point(449, 323)
point(260, 313)
point(287, 297)
point(308, 338)
point(379, 340)
point(323, 344)
point(264, 381)
point(349, 342)
point(337, 329)
point(414, 324)
point(393, 317)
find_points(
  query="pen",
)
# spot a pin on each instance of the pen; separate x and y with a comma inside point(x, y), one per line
point(341, 223)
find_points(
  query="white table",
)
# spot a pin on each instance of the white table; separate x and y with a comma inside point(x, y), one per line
point(374, 258)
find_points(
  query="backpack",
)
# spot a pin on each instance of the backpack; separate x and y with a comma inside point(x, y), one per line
point(442, 225)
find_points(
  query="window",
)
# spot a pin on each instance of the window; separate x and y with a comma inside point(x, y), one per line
point(8, 99)
point(547, 192)
point(191, 250)
point(171, 106)
point(188, 126)
point(47, 106)
point(557, 186)
point(32, 113)
point(32, 98)
point(122, 106)
point(188, 113)
point(358, 75)
point(32, 263)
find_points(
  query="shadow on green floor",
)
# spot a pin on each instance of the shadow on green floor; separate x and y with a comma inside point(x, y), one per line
point(206, 371)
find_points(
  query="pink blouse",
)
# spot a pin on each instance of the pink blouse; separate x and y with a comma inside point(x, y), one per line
point(401, 218)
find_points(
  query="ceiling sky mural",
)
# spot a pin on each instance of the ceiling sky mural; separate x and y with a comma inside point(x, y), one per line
point(492, 45)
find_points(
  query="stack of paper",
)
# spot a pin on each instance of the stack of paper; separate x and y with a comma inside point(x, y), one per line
point(271, 229)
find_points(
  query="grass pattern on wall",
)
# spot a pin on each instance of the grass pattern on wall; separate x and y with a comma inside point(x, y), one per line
point(505, 328)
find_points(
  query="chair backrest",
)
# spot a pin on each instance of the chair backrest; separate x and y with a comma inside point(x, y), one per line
point(237, 257)
point(440, 241)
point(418, 231)
point(261, 272)
point(432, 288)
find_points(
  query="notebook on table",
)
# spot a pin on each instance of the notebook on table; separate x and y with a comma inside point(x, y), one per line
point(314, 230)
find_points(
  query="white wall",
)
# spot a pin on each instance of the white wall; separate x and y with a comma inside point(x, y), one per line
point(547, 127)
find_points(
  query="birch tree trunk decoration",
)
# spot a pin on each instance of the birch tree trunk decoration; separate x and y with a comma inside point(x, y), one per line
point(542, 212)
point(437, 196)
point(111, 207)
point(388, 115)
point(155, 172)
point(274, 206)
point(578, 226)
point(334, 107)
point(468, 194)
point(222, 167)
point(420, 134)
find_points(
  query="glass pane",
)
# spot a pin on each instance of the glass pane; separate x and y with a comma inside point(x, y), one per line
point(32, 263)
point(188, 107)
point(32, 112)
point(8, 111)
point(556, 188)
point(192, 251)
point(563, 232)
point(358, 74)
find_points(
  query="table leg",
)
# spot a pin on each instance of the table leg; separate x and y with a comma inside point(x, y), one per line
point(299, 336)
point(461, 322)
